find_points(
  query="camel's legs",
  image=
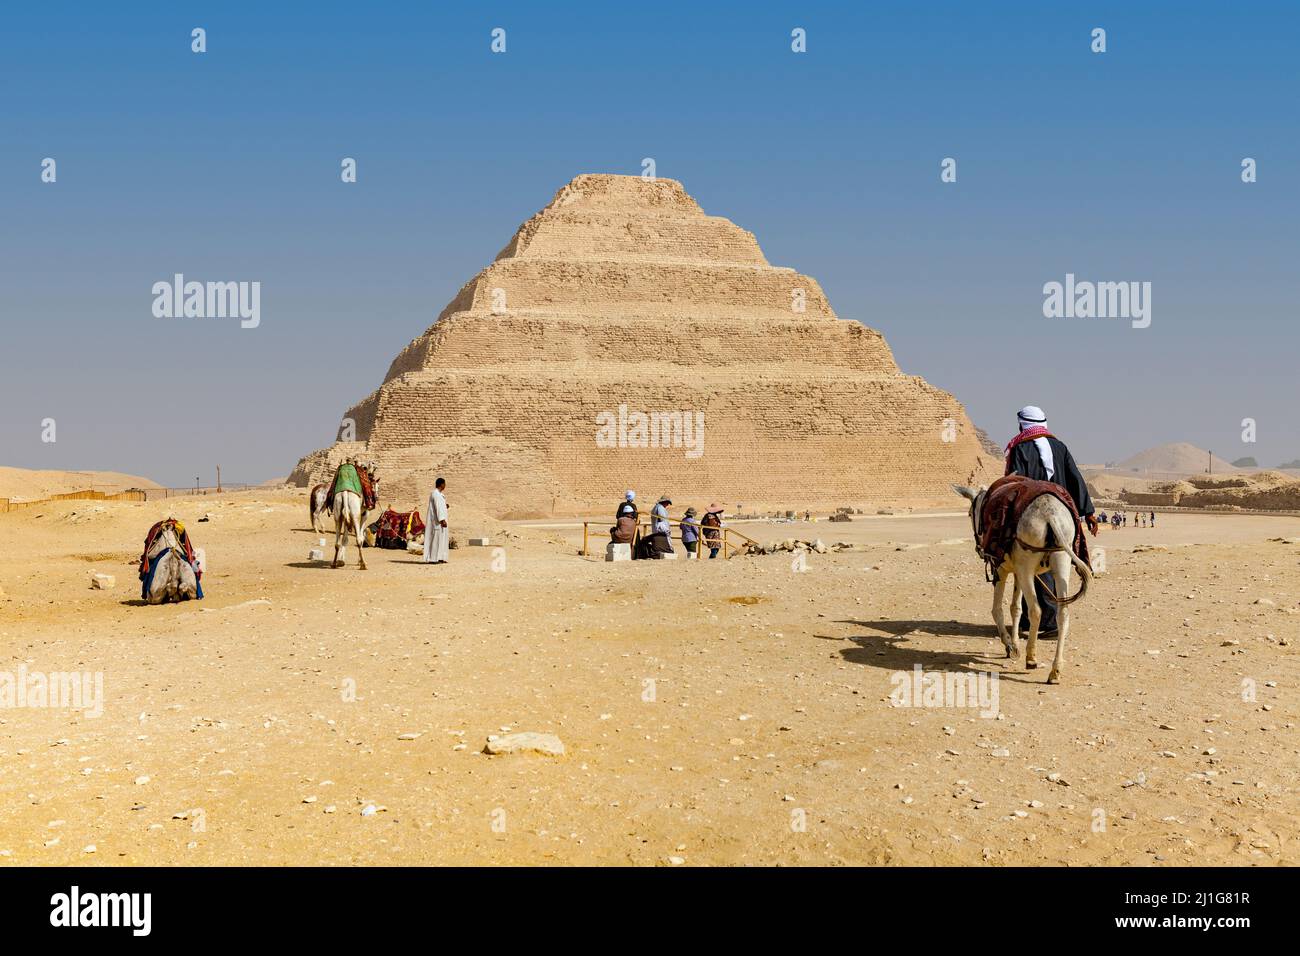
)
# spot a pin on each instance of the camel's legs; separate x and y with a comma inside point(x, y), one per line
point(999, 610)
point(340, 530)
point(357, 533)
point(1061, 567)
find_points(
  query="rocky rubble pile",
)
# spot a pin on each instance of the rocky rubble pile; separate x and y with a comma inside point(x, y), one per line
point(795, 544)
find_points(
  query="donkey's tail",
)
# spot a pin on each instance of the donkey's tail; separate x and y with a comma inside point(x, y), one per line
point(1085, 578)
point(1085, 572)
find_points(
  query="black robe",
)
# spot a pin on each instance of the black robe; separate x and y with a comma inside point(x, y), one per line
point(1025, 460)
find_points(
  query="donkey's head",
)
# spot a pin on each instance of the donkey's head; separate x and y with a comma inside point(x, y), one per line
point(976, 498)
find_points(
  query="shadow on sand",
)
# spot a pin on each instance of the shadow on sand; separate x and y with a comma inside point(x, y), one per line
point(889, 649)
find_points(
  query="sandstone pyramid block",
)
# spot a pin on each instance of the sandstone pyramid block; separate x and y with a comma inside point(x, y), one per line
point(625, 339)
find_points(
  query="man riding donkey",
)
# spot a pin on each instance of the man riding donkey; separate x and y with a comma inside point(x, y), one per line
point(1036, 453)
point(1028, 526)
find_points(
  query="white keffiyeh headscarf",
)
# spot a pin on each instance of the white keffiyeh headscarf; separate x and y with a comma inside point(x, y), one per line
point(1031, 416)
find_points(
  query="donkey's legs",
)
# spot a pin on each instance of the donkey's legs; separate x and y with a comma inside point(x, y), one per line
point(1016, 595)
point(999, 610)
point(1027, 566)
point(1061, 567)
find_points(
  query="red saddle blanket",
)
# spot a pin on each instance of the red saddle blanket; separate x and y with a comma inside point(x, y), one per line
point(1005, 504)
point(394, 528)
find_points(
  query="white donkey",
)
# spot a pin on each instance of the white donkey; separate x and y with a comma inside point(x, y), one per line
point(350, 515)
point(173, 576)
point(1031, 553)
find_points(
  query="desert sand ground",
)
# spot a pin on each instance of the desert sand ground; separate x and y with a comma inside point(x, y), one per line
point(227, 735)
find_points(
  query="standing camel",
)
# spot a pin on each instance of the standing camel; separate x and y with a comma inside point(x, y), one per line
point(1044, 536)
point(354, 493)
point(316, 502)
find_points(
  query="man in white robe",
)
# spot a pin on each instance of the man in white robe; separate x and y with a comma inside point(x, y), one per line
point(435, 527)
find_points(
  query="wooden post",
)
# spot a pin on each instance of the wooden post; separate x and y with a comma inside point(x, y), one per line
point(584, 539)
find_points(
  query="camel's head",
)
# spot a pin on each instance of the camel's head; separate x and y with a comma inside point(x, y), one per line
point(166, 540)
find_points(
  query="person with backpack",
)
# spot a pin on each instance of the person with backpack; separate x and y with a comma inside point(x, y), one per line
point(711, 525)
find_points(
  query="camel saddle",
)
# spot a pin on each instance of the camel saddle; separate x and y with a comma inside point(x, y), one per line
point(182, 538)
point(1004, 505)
point(356, 480)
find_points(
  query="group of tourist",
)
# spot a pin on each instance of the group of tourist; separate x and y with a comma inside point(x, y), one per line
point(659, 542)
point(1120, 519)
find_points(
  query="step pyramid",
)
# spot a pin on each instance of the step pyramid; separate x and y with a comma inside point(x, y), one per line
point(622, 305)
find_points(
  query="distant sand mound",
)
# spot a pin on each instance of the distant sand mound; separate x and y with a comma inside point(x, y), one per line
point(1175, 458)
point(24, 484)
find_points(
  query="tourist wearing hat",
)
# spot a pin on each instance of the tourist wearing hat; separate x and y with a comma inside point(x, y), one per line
point(690, 532)
point(1036, 453)
point(660, 542)
point(712, 528)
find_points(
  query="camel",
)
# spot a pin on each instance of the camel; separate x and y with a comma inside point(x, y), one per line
point(350, 513)
point(1043, 527)
point(316, 503)
point(174, 578)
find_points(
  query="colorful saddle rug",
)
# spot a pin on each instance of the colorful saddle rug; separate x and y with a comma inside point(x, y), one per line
point(395, 529)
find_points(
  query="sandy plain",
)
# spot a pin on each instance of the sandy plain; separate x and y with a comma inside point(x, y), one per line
point(713, 713)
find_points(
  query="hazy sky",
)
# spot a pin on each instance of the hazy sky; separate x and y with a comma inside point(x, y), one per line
point(1121, 166)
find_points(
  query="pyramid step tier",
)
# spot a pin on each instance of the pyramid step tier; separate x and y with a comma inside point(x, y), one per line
point(476, 339)
point(600, 287)
point(596, 234)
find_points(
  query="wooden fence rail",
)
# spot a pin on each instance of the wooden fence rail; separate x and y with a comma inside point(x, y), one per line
point(131, 494)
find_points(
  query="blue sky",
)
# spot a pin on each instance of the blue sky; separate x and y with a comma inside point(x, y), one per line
point(1116, 166)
